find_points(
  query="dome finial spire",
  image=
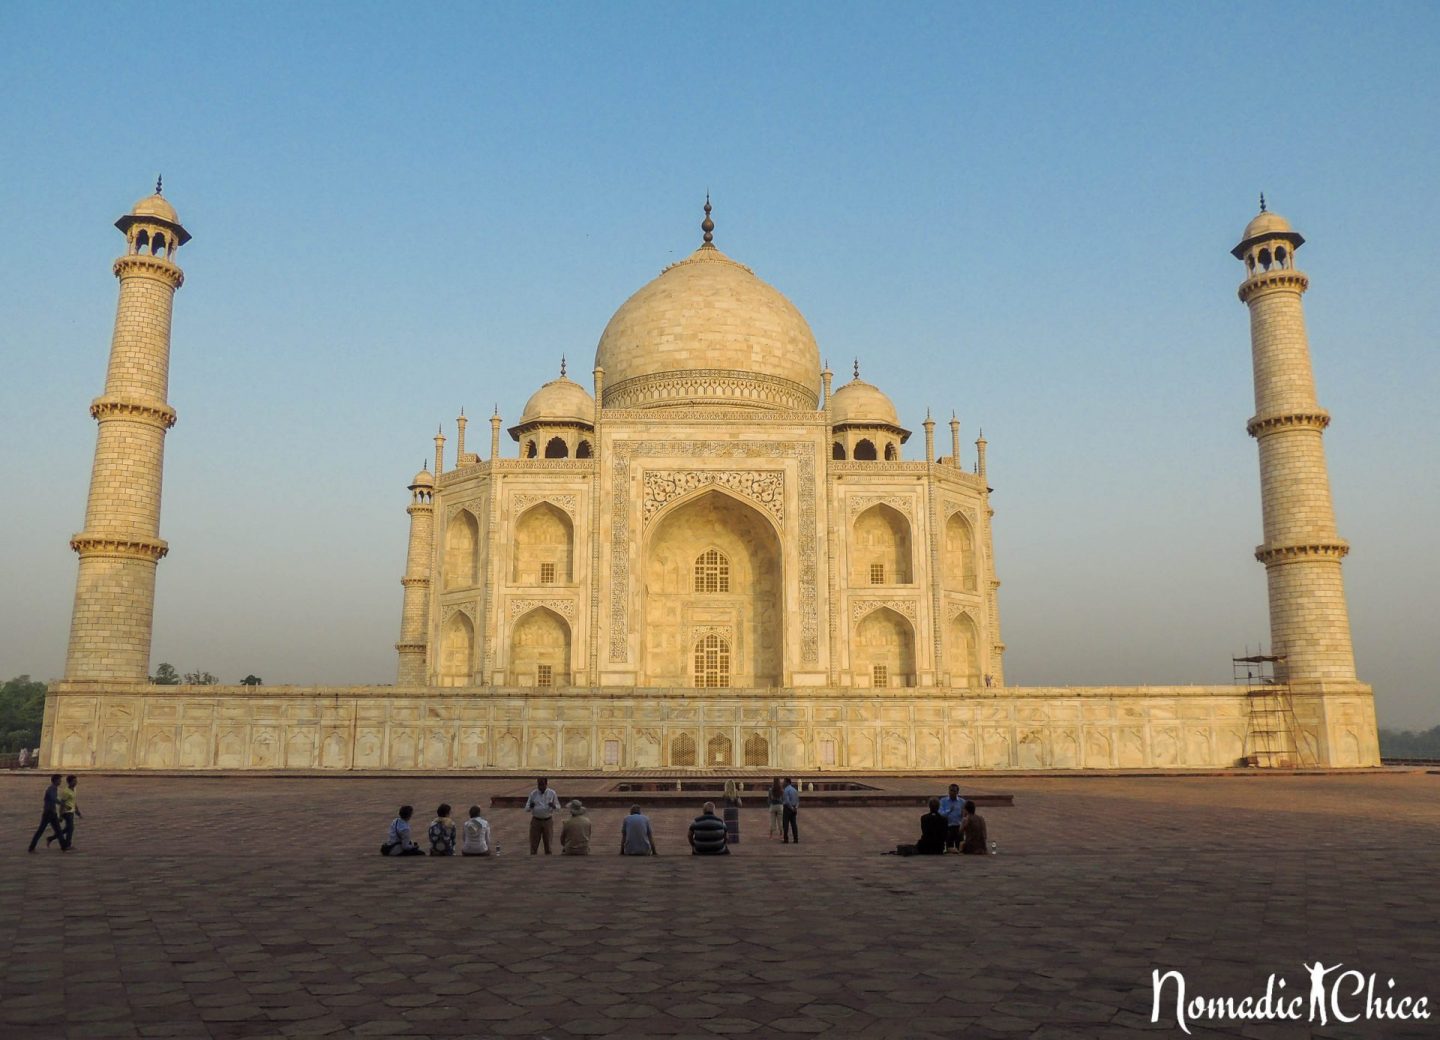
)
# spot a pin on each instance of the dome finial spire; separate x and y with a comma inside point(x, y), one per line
point(707, 225)
point(562, 366)
point(159, 179)
point(857, 368)
point(1262, 202)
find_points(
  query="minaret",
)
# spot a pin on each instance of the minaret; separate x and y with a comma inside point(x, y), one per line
point(495, 434)
point(110, 625)
point(413, 616)
point(1309, 623)
point(439, 450)
point(955, 441)
point(460, 439)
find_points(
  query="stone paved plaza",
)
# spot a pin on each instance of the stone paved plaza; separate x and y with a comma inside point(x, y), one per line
point(247, 907)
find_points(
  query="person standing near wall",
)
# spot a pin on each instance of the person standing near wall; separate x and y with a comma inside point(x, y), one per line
point(542, 805)
point(791, 805)
point(732, 812)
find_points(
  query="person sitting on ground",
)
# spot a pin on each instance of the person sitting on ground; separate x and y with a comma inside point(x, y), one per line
point(933, 827)
point(974, 840)
point(475, 835)
point(442, 832)
point(575, 832)
point(707, 834)
point(952, 807)
point(636, 837)
point(397, 840)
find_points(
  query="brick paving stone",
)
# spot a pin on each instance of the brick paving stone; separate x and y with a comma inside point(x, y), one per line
point(1224, 878)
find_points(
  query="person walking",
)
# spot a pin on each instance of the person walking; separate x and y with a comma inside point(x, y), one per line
point(50, 817)
point(542, 805)
point(636, 837)
point(732, 812)
point(775, 802)
point(790, 799)
point(69, 810)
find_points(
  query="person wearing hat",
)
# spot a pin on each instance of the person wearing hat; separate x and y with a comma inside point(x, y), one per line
point(575, 833)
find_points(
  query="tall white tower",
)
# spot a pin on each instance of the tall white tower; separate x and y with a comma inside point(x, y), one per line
point(110, 625)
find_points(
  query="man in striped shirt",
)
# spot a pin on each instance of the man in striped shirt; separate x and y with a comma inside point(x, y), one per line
point(707, 834)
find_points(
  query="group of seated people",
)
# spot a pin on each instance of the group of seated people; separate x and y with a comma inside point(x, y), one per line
point(952, 824)
point(637, 838)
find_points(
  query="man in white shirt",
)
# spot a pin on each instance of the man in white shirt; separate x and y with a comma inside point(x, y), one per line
point(636, 837)
point(475, 839)
point(542, 804)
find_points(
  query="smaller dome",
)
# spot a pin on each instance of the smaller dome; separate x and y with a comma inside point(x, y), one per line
point(860, 402)
point(1266, 223)
point(560, 400)
point(155, 206)
point(423, 479)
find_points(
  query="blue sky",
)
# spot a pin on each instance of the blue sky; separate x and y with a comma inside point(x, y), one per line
point(1023, 215)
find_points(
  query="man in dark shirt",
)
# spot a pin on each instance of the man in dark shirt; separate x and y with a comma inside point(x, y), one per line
point(973, 837)
point(50, 817)
point(707, 834)
point(933, 828)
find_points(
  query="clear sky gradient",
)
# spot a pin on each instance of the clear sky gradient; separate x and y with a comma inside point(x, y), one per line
point(1020, 214)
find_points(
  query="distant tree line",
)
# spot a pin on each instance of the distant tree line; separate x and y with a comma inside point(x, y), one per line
point(22, 703)
point(1405, 743)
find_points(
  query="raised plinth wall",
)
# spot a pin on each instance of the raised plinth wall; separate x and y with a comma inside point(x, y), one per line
point(390, 728)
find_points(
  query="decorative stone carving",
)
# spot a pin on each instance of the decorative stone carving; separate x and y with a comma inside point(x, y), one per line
point(522, 502)
point(564, 607)
point(766, 488)
point(625, 452)
point(745, 387)
point(952, 507)
point(903, 504)
point(468, 609)
point(725, 632)
point(860, 607)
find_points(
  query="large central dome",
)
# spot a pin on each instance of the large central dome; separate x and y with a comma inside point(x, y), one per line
point(708, 331)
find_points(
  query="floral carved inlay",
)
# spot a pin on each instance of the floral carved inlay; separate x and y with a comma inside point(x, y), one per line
point(564, 607)
point(900, 503)
point(524, 502)
point(765, 487)
point(862, 607)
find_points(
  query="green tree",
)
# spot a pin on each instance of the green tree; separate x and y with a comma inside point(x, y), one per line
point(252, 680)
point(22, 704)
point(1396, 743)
point(166, 675)
point(200, 679)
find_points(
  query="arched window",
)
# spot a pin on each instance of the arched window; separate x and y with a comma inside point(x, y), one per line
point(142, 241)
point(717, 752)
point(890, 453)
point(530, 450)
point(157, 245)
point(712, 662)
point(556, 448)
point(682, 750)
point(582, 450)
point(837, 452)
point(757, 750)
point(712, 572)
point(865, 451)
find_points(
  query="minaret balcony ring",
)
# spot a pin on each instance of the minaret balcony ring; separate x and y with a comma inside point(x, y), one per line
point(1263, 424)
point(1279, 554)
point(1281, 279)
point(138, 263)
point(155, 413)
point(153, 549)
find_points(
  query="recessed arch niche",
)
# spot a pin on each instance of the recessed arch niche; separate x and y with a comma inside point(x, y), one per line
point(540, 639)
point(880, 538)
point(749, 615)
point(886, 639)
point(544, 534)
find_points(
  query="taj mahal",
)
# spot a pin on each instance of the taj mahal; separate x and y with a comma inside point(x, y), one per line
point(711, 557)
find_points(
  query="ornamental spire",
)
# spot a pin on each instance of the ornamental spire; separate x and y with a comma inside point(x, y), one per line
point(1262, 202)
point(158, 180)
point(562, 366)
point(707, 225)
